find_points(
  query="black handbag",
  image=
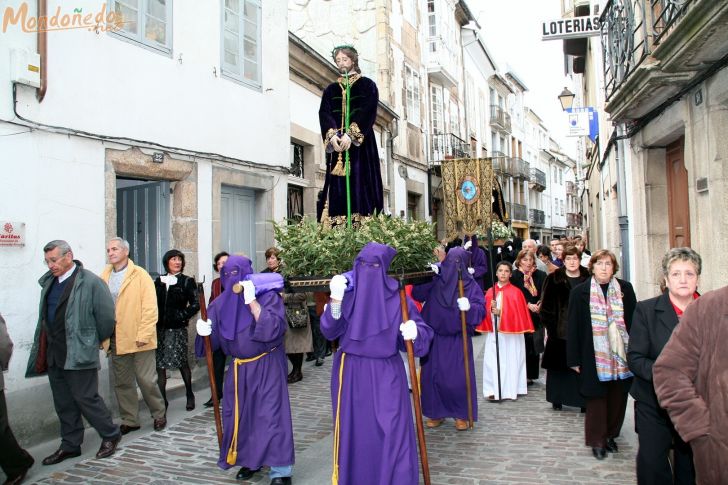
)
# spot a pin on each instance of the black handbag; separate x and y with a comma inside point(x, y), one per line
point(297, 316)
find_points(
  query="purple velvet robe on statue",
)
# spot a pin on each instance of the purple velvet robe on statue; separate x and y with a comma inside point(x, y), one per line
point(443, 369)
point(377, 433)
point(265, 431)
point(367, 195)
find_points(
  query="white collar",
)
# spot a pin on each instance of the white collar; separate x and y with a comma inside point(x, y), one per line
point(67, 274)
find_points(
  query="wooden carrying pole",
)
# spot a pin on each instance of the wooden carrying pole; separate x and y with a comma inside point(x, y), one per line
point(415, 389)
point(210, 367)
point(466, 352)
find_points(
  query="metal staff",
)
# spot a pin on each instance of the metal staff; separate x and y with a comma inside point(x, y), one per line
point(466, 352)
point(491, 269)
point(415, 388)
point(210, 367)
point(496, 318)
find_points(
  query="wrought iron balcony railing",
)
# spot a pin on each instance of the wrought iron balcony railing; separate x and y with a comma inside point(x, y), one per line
point(500, 118)
point(631, 30)
point(536, 217)
point(447, 146)
point(501, 165)
point(518, 212)
point(538, 179)
point(520, 168)
point(570, 188)
point(573, 220)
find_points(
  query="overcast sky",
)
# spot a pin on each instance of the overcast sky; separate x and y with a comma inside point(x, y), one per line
point(512, 30)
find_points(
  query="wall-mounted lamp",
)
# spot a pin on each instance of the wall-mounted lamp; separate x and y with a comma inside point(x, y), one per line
point(566, 98)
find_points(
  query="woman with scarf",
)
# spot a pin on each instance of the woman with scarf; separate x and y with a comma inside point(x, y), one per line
point(562, 383)
point(530, 280)
point(599, 320)
point(248, 324)
point(654, 322)
point(176, 303)
point(374, 437)
point(506, 304)
point(443, 383)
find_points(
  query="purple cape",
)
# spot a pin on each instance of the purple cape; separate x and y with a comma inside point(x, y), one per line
point(443, 369)
point(376, 430)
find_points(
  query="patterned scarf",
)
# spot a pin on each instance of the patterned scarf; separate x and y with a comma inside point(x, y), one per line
point(609, 332)
point(528, 281)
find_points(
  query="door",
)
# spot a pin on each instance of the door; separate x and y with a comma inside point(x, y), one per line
point(677, 195)
point(238, 221)
point(142, 218)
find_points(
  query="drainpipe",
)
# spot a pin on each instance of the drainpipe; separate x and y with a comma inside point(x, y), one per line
point(393, 133)
point(622, 202)
point(42, 7)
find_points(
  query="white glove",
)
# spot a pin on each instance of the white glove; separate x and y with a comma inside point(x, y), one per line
point(337, 285)
point(248, 292)
point(204, 327)
point(408, 330)
point(471, 270)
point(468, 245)
point(435, 268)
point(500, 250)
point(510, 248)
point(463, 304)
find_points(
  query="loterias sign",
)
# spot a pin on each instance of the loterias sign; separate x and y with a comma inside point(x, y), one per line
point(570, 28)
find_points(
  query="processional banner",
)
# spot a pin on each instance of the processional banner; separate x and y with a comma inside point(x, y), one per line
point(467, 192)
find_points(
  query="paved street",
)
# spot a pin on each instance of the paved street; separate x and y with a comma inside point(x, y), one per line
point(521, 442)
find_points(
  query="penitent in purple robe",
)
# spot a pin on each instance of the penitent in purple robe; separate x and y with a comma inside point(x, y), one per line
point(443, 369)
point(376, 429)
point(478, 263)
point(265, 431)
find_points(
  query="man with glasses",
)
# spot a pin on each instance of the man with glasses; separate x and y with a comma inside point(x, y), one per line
point(76, 314)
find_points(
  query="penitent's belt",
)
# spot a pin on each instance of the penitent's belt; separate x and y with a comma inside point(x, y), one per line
point(232, 455)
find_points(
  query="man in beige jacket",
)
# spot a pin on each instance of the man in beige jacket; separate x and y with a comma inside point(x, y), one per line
point(134, 341)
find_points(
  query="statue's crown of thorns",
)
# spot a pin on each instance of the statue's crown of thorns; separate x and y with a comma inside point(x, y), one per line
point(343, 46)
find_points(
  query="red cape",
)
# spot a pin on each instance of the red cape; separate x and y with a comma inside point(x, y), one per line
point(515, 317)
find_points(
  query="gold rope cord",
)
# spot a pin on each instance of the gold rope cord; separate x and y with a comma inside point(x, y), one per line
point(337, 427)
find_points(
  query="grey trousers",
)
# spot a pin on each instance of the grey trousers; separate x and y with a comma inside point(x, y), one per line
point(76, 394)
point(130, 370)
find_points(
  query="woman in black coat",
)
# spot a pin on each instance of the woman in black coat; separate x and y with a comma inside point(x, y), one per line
point(177, 302)
point(653, 323)
point(599, 319)
point(530, 280)
point(562, 383)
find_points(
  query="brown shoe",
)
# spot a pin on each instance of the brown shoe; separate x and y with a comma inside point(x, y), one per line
point(59, 456)
point(126, 429)
point(160, 424)
point(108, 447)
point(434, 423)
point(461, 424)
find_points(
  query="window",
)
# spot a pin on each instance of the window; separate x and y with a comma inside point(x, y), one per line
point(409, 11)
point(431, 23)
point(296, 160)
point(561, 177)
point(412, 95)
point(295, 203)
point(241, 41)
point(148, 22)
point(438, 125)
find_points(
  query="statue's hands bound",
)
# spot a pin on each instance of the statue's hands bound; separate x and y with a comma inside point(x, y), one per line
point(345, 142)
point(336, 143)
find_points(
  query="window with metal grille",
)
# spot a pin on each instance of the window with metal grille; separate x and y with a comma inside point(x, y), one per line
point(295, 203)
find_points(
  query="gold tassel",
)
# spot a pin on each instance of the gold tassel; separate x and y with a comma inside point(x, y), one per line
point(338, 170)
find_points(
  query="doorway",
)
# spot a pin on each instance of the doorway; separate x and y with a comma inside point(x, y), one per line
point(677, 195)
point(238, 221)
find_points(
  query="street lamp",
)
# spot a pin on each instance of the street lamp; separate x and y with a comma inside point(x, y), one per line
point(566, 98)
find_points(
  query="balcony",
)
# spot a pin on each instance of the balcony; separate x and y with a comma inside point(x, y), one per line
point(441, 62)
point(501, 163)
point(518, 212)
point(500, 119)
point(520, 168)
point(654, 49)
point(536, 217)
point(573, 220)
point(447, 146)
point(538, 180)
point(571, 188)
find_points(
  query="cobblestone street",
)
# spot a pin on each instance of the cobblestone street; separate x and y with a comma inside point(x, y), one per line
point(521, 442)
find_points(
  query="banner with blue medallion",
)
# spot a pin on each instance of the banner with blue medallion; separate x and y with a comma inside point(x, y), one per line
point(468, 189)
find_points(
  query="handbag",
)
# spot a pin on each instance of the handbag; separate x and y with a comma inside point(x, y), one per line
point(297, 316)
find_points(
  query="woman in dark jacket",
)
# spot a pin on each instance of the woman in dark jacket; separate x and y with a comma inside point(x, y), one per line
point(562, 383)
point(653, 324)
point(530, 281)
point(177, 302)
point(599, 319)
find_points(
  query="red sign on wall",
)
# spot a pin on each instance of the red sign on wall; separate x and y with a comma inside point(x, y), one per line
point(12, 233)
